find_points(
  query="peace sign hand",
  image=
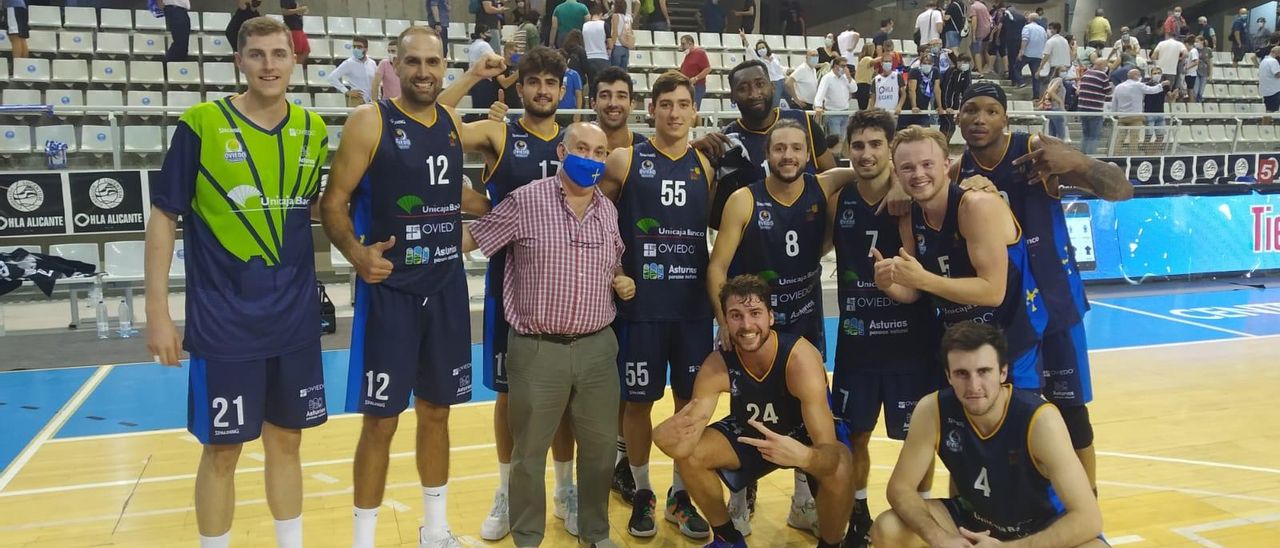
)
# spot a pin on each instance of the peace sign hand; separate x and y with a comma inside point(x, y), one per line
point(784, 451)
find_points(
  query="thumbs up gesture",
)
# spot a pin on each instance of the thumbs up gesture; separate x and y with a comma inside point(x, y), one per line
point(369, 263)
point(908, 271)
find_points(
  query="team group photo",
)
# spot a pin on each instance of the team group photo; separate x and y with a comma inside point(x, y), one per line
point(739, 282)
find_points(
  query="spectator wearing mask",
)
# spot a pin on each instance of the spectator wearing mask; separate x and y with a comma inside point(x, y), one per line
point(245, 10)
point(868, 66)
point(1174, 24)
point(929, 23)
point(624, 36)
point(1099, 29)
point(802, 83)
point(1207, 32)
point(1094, 92)
point(1153, 106)
point(828, 51)
point(1128, 104)
point(955, 81)
point(1261, 36)
point(924, 83)
point(953, 21)
point(386, 83)
point(980, 32)
point(777, 72)
point(1057, 52)
point(695, 66)
point(358, 71)
point(1031, 52)
point(567, 17)
point(712, 17)
point(1240, 41)
point(889, 92)
point(833, 94)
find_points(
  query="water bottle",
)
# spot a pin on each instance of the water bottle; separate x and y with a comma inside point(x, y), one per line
point(125, 315)
point(104, 329)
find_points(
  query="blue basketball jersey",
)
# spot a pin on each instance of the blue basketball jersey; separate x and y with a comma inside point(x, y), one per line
point(662, 216)
point(782, 244)
point(766, 398)
point(943, 251)
point(995, 476)
point(525, 157)
point(753, 169)
point(1044, 228)
point(413, 191)
point(876, 333)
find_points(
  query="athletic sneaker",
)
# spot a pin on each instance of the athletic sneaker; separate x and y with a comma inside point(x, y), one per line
point(447, 540)
point(498, 524)
point(623, 482)
point(751, 497)
point(740, 514)
point(717, 543)
point(566, 501)
point(641, 523)
point(859, 533)
point(804, 516)
point(680, 511)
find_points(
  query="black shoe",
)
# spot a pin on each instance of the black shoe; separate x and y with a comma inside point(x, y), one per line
point(641, 523)
point(859, 533)
point(623, 482)
point(751, 497)
point(680, 511)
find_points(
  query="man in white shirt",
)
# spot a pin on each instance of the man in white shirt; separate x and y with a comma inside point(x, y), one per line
point(1168, 55)
point(802, 83)
point(358, 71)
point(1127, 103)
point(847, 41)
point(1057, 52)
point(929, 23)
point(1269, 81)
point(833, 94)
point(888, 91)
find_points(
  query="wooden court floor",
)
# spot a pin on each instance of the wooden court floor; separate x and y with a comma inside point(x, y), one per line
point(1187, 436)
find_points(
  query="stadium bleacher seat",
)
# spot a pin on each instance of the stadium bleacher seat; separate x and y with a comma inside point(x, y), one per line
point(342, 49)
point(31, 70)
point(44, 17)
point(64, 133)
point(663, 59)
point(15, 139)
point(182, 99)
point(664, 39)
point(330, 100)
point(451, 75)
point(75, 42)
point(146, 73)
point(731, 59)
point(79, 18)
point(377, 50)
point(178, 266)
point(710, 40)
point(220, 75)
point(5, 45)
point(335, 136)
point(113, 44)
point(215, 45)
point(123, 259)
point(144, 20)
point(115, 19)
point(44, 42)
point(148, 45)
point(298, 79)
point(168, 134)
point(716, 84)
point(795, 43)
point(340, 26)
point(640, 59)
point(640, 82)
point(368, 27)
point(140, 98)
point(458, 32)
point(106, 72)
point(301, 99)
point(214, 21)
point(70, 71)
point(313, 25)
point(320, 50)
point(104, 98)
point(184, 74)
point(97, 139)
point(142, 139)
point(644, 39)
point(22, 97)
point(394, 27)
point(83, 252)
point(64, 97)
point(318, 76)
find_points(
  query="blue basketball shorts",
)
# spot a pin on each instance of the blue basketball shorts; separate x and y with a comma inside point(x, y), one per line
point(646, 349)
point(227, 401)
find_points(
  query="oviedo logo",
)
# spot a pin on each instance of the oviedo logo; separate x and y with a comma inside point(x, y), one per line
point(25, 196)
point(402, 140)
point(234, 152)
point(647, 170)
point(765, 220)
point(520, 149)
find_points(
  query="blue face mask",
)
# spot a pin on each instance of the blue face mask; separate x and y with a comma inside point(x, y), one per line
point(358, 53)
point(584, 172)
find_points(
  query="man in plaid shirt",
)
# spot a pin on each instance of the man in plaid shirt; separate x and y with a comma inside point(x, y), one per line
point(563, 266)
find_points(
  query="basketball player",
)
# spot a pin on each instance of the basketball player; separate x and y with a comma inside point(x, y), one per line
point(394, 208)
point(252, 311)
point(885, 350)
point(612, 103)
point(778, 418)
point(775, 228)
point(1009, 455)
point(1029, 171)
point(964, 249)
point(663, 188)
point(515, 154)
point(752, 91)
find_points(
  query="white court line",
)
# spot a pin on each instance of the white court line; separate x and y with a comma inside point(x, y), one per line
point(1127, 539)
point(396, 505)
point(1174, 460)
point(1174, 344)
point(324, 478)
point(1201, 492)
point(1173, 319)
point(54, 424)
point(1192, 532)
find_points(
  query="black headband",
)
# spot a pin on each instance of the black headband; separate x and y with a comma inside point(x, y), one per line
point(986, 89)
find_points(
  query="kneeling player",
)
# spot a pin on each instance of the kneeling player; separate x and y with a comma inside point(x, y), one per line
point(778, 418)
point(1009, 455)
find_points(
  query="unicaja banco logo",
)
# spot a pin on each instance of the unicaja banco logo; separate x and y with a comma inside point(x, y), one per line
point(242, 194)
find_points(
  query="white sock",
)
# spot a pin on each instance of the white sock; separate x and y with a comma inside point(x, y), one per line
point(677, 482)
point(435, 520)
point(564, 474)
point(926, 495)
point(504, 477)
point(860, 494)
point(641, 474)
point(739, 498)
point(622, 450)
point(365, 525)
point(802, 493)
point(289, 532)
point(220, 541)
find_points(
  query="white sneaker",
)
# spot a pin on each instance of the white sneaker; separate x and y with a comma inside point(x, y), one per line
point(446, 540)
point(498, 524)
point(804, 516)
point(740, 514)
point(566, 503)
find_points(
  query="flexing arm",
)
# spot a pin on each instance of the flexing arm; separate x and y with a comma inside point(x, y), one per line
point(915, 459)
point(1052, 453)
point(733, 222)
point(615, 173)
point(490, 66)
point(678, 435)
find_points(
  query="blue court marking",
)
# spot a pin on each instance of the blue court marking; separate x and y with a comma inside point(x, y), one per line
point(30, 399)
point(1247, 310)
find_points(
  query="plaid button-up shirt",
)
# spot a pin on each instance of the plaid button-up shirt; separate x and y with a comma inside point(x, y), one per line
point(559, 271)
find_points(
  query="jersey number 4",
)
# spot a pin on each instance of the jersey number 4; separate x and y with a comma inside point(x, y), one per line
point(769, 414)
point(981, 483)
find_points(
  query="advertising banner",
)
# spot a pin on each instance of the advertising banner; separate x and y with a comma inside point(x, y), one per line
point(106, 201)
point(32, 204)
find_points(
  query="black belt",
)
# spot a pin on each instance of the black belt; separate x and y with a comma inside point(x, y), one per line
point(560, 338)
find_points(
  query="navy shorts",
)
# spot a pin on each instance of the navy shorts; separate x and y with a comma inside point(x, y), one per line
point(18, 22)
point(751, 464)
point(645, 349)
point(404, 344)
point(227, 401)
point(964, 516)
point(1272, 102)
point(856, 398)
point(496, 328)
point(811, 327)
point(1066, 367)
